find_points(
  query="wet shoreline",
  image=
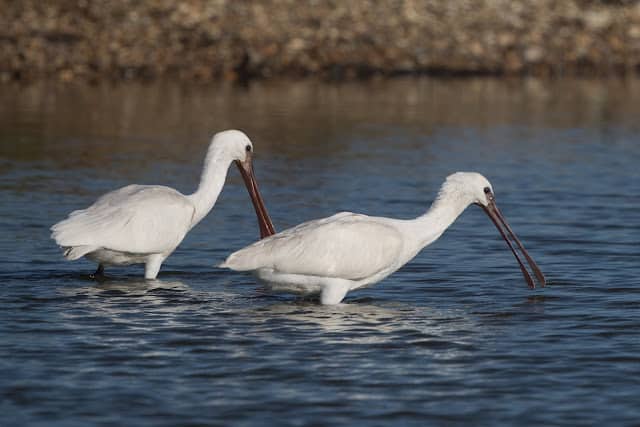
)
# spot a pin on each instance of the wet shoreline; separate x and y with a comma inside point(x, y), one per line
point(223, 40)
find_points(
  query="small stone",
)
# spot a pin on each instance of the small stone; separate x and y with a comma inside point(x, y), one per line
point(597, 20)
point(476, 49)
point(533, 54)
point(66, 75)
point(506, 39)
point(634, 32)
point(296, 45)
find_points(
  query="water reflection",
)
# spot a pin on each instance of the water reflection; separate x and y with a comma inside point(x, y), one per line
point(107, 123)
point(119, 299)
point(382, 323)
point(133, 287)
point(338, 318)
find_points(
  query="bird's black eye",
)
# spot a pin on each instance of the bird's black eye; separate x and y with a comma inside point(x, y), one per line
point(487, 190)
point(248, 148)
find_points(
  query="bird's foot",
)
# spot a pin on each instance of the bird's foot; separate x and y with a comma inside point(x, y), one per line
point(99, 274)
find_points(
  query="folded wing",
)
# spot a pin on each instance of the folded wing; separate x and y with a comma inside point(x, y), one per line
point(134, 219)
point(346, 245)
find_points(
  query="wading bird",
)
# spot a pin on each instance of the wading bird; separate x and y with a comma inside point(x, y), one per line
point(143, 224)
point(347, 251)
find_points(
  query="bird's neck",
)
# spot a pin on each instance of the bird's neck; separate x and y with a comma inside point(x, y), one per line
point(443, 212)
point(212, 180)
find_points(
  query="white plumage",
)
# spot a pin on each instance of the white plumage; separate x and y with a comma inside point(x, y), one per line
point(346, 251)
point(345, 245)
point(145, 223)
point(137, 219)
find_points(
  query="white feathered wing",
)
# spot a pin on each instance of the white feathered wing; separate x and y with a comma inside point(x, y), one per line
point(137, 219)
point(346, 245)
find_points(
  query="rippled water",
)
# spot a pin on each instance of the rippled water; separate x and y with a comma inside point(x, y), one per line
point(455, 337)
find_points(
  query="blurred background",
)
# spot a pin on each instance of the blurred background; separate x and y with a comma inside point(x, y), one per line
point(223, 39)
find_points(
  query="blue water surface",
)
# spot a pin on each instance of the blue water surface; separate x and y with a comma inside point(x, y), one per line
point(453, 338)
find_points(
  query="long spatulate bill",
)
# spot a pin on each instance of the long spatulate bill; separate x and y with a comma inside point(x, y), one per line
point(264, 221)
point(505, 230)
point(532, 263)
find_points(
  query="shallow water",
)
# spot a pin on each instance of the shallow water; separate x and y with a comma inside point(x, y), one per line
point(455, 337)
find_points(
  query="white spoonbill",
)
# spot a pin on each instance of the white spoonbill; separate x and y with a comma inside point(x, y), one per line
point(347, 251)
point(143, 224)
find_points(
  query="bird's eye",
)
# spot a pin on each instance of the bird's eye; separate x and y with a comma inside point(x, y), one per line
point(248, 148)
point(487, 190)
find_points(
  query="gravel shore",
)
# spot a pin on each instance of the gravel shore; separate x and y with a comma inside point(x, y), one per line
point(225, 39)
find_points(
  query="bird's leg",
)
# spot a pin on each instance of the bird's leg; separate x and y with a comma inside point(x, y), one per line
point(99, 274)
point(152, 267)
point(334, 292)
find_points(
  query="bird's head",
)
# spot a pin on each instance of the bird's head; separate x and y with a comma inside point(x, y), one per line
point(466, 188)
point(236, 146)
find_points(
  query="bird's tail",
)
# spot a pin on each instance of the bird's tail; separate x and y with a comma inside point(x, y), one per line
point(228, 263)
point(75, 252)
point(237, 262)
point(71, 234)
